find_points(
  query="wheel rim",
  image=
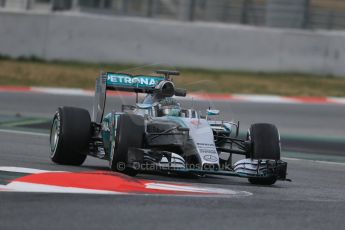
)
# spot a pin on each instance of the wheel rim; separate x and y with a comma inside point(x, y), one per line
point(54, 136)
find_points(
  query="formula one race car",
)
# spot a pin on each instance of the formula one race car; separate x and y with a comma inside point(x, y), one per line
point(158, 135)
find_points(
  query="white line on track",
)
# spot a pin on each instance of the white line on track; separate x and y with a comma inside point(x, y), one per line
point(316, 161)
point(32, 187)
point(24, 132)
point(24, 170)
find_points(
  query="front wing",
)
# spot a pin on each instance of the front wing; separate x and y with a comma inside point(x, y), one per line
point(246, 168)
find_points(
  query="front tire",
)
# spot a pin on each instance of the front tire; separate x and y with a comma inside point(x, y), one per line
point(69, 136)
point(265, 141)
point(129, 133)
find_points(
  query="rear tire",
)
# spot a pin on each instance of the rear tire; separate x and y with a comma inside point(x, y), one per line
point(69, 136)
point(265, 141)
point(129, 133)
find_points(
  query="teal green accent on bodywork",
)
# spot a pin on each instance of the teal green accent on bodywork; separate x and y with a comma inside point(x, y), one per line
point(109, 125)
point(126, 80)
point(106, 132)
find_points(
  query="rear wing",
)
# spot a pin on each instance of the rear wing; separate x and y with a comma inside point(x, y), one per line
point(162, 85)
point(130, 83)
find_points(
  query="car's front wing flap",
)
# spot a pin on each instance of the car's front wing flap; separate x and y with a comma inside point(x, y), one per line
point(277, 169)
point(266, 168)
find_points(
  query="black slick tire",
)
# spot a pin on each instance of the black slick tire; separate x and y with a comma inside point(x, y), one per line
point(265, 144)
point(70, 135)
point(129, 134)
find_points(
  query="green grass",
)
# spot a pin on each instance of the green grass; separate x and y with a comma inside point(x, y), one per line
point(36, 72)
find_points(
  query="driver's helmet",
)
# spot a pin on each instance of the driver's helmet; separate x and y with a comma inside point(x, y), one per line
point(169, 107)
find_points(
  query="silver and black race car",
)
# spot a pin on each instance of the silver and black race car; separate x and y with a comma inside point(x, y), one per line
point(159, 135)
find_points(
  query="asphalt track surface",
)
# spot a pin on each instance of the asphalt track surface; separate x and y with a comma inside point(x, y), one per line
point(315, 199)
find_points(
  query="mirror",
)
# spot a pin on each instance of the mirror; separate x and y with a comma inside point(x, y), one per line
point(211, 112)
